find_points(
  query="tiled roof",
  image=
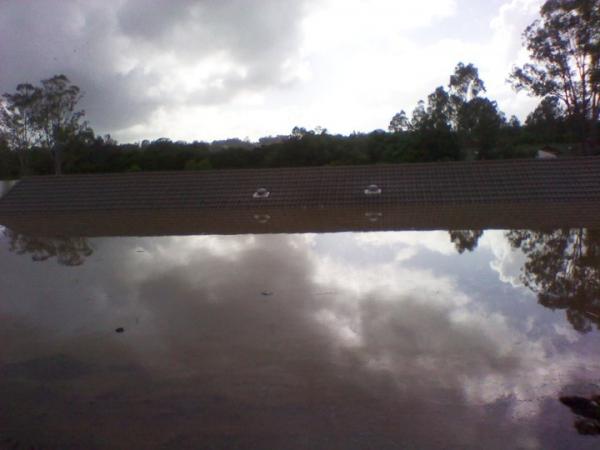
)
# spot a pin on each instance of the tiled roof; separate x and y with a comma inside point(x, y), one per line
point(424, 196)
point(454, 182)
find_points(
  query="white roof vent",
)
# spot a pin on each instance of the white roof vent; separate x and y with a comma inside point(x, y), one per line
point(373, 216)
point(373, 189)
point(261, 193)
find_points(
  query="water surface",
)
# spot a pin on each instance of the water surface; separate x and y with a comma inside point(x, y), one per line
point(463, 339)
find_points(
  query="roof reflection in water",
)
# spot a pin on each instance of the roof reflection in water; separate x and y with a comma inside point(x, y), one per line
point(397, 339)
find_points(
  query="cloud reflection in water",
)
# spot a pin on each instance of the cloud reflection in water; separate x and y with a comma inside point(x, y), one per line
point(355, 344)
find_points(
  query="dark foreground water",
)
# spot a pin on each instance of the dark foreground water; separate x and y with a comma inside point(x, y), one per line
point(378, 340)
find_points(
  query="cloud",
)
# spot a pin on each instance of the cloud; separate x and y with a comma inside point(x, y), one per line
point(436, 241)
point(134, 57)
point(203, 69)
point(508, 26)
point(508, 262)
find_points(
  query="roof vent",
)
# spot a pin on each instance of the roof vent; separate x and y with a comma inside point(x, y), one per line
point(373, 216)
point(373, 189)
point(261, 193)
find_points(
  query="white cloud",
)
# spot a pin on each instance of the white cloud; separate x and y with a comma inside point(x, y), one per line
point(207, 70)
point(507, 51)
point(363, 25)
point(436, 241)
point(508, 262)
point(406, 321)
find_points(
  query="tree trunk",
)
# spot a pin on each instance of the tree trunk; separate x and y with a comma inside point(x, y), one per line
point(57, 153)
point(22, 154)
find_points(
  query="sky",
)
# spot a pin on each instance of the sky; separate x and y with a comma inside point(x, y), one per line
point(216, 69)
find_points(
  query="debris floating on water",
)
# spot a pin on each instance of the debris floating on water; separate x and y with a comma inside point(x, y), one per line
point(120, 330)
point(266, 293)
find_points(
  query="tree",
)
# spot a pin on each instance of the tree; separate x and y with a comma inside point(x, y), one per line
point(320, 131)
point(419, 116)
point(464, 86)
point(548, 112)
point(439, 110)
point(547, 119)
point(477, 119)
point(465, 83)
point(465, 239)
point(514, 123)
point(564, 46)
point(444, 107)
point(58, 119)
point(587, 412)
point(18, 120)
point(69, 251)
point(45, 117)
point(435, 117)
point(480, 121)
point(399, 123)
point(298, 133)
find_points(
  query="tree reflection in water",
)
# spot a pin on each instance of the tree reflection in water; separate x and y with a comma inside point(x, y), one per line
point(563, 268)
point(69, 251)
point(465, 239)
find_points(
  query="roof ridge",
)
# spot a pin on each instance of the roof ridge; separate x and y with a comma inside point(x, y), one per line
point(415, 165)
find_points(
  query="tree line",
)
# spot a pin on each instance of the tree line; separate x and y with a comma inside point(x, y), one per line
point(42, 130)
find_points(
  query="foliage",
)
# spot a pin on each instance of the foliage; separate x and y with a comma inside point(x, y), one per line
point(43, 117)
point(563, 268)
point(197, 164)
point(399, 123)
point(564, 47)
point(67, 251)
point(587, 413)
point(479, 121)
point(19, 119)
point(465, 239)
point(547, 120)
point(465, 83)
point(474, 120)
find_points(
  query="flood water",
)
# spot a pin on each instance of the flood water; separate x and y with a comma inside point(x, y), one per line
point(408, 339)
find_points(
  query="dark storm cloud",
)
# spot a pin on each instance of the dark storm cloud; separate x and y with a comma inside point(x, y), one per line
point(124, 54)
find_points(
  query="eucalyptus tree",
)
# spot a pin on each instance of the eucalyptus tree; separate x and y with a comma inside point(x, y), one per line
point(480, 121)
point(547, 119)
point(439, 110)
point(445, 106)
point(19, 120)
point(419, 116)
point(564, 48)
point(465, 83)
point(68, 251)
point(464, 86)
point(399, 123)
point(465, 240)
point(58, 118)
point(45, 116)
